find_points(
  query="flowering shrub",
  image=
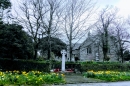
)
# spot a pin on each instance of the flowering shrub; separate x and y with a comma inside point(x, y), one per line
point(58, 70)
point(108, 75)
point(30, 78)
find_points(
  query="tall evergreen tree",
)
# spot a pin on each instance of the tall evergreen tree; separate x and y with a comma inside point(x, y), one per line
point(14, 42)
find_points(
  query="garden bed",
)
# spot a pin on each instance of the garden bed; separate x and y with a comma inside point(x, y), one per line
point(110, 76)
point(30, 78)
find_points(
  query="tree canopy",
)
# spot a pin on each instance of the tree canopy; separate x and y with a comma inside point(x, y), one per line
point(14, 42)
point(4, 4)
point(127, 55)
point(56, 45)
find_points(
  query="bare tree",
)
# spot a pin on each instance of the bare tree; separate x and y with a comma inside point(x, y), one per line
point(40, 18)
point(106, 19)
point(121, 36)
point(5, 6)
point(75, 19)
point(51, 23)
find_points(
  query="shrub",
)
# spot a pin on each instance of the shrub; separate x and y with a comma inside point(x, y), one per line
point(23, 65)
point(98, 66)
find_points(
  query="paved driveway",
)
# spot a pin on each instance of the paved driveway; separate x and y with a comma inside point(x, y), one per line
point(124, 83)
point(79, 80)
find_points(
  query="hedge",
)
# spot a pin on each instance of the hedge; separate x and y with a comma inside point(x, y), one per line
point(104, 66)
point(23, 65)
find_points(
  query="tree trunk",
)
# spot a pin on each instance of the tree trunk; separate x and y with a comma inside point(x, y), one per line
point(70, 44)
point(35, 54)
point(104, 54)
point(70, 51)
point(122, 56)
point(35, 50)
point(49, 47)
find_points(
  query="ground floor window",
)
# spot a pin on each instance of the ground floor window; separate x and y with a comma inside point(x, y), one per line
point(89, 50)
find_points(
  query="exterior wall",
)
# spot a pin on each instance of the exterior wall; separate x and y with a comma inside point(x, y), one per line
point(75, 53)
point(85, 55)
point(81, 51)
point(97, 53)
point(112, 53)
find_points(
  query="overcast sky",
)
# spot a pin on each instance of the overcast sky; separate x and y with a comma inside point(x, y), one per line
point(123, 5)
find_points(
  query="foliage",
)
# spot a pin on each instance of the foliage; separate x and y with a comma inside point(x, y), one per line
point(14, 42)
point(30, 78)
point(107, 58)
point(4, 9)
point(127, 55)
point(103, 66)
point(108, 75)
point(22, 65)
point(56, 45)
point(4, 4)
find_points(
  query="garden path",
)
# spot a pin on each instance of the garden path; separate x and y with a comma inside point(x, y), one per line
point(124, 83)
point(73, 78)
point(78, 80)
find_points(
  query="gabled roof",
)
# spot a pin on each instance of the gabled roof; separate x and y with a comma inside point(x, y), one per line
point(76, 46)
point(90, 40)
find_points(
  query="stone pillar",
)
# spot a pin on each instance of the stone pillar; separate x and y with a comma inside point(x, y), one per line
point(63, 52)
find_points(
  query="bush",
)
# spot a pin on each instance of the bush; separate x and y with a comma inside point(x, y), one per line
point(29, 65)
point(23, 65)
point(115, 66)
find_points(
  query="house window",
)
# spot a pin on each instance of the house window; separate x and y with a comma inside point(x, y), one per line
point(89, 50)
point(109, 51)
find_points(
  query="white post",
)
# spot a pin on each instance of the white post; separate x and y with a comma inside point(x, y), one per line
point(63, 52)
point(97, 57)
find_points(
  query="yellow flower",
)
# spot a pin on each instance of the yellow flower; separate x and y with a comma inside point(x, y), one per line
point(24, 73)
point(40, 79)
point(1, 73)
point(62, 75)
point(17, 76)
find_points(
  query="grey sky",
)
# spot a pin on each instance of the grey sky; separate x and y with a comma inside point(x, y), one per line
point(123, 5)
